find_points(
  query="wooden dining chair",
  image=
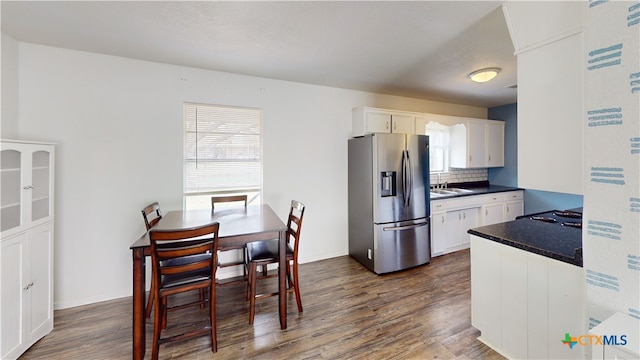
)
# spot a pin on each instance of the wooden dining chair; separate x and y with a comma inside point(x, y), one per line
point(232, 248)
point(263, 253)
point(152, 215)
point(175, 272)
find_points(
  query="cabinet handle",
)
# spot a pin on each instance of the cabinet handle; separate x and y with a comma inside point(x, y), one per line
point(486, 212)
point(489, 157)
point(28, 187)
point(387, 125)
point(28, 286)
point(469, 157)
point(443, 219)
point(395, 126)
point(464, 215)
point(507, 208)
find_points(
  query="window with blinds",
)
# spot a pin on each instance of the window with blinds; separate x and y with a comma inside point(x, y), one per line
point(438, 147)
point(222, 153)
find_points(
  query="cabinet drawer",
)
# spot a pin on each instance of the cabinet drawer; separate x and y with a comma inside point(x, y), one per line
point(513, 195)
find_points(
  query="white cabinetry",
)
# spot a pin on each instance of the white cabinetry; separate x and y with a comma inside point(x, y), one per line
point(371, 120)
point(452, 218)
point(26, 303)
point(523, 303)
point(501, 207)
point(477, 144)
point(450, 221)
point(492, 209)
point(514, 205)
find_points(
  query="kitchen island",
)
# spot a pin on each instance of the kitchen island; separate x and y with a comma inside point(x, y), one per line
point(527, 287)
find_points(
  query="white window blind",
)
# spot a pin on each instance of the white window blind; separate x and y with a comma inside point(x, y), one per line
point(223, 149)
point(438, 147)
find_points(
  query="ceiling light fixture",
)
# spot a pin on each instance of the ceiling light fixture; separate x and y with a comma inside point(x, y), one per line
point(484, 75)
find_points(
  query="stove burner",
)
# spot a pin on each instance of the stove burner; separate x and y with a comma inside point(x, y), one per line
point(544, 218)
point(573, 224)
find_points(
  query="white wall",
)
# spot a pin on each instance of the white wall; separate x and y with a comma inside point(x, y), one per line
point(9, 98)
point(611, 242)
point(118, 125)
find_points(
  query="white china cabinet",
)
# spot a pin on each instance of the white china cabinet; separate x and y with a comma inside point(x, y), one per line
point(26, 207)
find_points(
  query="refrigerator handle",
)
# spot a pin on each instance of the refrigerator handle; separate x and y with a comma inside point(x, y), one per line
point(404, 178)
point(404, 227)
point(410, 180)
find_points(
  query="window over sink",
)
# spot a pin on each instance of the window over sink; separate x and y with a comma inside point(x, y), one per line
point(438, 147)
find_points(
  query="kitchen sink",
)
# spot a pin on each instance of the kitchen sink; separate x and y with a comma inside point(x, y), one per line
point(460, 191)
point(443, 192)
point(448, 191)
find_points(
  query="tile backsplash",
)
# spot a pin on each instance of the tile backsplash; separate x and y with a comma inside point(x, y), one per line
point(460, 175)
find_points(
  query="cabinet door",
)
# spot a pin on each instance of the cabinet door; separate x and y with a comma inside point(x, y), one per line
point(513, 209)
point(493, 213)
point(467, 145)
point(377, 122)
point(494, 133)
point(403, 124)
point(476, 138)
point(11, 207)
point(40, 287)
point(13, 283)
point(438, 234)
point(468, 221)
point(452, 221)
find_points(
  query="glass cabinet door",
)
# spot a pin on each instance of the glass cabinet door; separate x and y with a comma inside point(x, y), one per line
point(40, 185)
point(10, 179)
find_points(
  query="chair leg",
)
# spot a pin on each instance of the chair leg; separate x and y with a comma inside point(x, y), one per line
point(212, 316)
point(152, 297)
point(252, 297)
point(157, 328)
point(296, 286)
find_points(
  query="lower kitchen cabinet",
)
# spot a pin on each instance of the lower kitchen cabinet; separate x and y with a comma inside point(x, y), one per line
point(524, 303)
point(452, 218)
point(449, 230)
point(27, 289)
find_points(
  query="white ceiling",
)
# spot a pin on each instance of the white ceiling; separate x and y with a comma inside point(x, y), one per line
point(421, 49)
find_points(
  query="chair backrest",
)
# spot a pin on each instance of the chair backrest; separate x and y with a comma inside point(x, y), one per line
point(294, 225)
point(172, 244)
point(151, 215)
point(227, 199)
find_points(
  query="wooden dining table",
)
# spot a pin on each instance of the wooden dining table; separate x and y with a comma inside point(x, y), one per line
point(237, 226)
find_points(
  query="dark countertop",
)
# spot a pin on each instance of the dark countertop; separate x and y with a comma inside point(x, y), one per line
point(477, 188)
point(550, 240)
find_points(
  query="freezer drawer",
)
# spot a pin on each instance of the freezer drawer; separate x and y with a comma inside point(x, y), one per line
point(401, 245)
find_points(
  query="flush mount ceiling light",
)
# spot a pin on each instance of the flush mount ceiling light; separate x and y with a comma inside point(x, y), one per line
point(484, 75)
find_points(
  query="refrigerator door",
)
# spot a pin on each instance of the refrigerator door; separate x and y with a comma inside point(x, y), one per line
point(401, 245)
point(398, 173)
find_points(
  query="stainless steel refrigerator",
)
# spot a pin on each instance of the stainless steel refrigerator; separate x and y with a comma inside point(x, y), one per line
point(389, 201)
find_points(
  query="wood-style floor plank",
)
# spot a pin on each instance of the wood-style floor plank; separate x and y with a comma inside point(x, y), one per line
point(349, 313)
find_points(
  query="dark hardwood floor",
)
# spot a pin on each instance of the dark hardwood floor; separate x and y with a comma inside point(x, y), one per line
point(349, 313)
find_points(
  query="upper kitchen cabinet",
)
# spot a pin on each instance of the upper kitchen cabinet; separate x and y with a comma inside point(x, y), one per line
point(550, 87)
point(371, 120)
point(477, 144)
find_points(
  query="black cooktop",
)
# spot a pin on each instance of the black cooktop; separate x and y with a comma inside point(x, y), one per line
point(569, 218)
